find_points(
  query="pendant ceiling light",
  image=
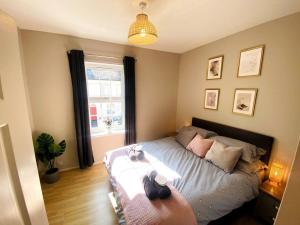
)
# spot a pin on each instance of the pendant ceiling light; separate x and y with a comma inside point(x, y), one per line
point(142, 31)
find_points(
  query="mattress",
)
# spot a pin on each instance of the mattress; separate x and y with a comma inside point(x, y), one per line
point(210, 191)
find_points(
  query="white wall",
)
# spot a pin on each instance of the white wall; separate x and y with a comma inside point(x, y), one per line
point(14, 114)
point(289, 208)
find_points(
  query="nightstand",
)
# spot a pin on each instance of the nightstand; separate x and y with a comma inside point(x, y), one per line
point(268, 202)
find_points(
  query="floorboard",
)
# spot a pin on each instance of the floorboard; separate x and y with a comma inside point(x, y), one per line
point(80, 197)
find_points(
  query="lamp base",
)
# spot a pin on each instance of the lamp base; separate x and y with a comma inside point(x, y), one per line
point(274, 183)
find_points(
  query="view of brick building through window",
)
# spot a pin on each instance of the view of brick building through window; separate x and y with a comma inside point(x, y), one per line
point(105, 83)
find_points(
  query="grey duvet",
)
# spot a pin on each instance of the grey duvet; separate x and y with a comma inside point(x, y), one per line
point(210, 191)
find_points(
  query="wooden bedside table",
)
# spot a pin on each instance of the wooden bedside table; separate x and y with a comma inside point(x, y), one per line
point(268, 202)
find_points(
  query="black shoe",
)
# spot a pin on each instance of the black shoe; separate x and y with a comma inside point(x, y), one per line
point(150, 189)
point(163, 190)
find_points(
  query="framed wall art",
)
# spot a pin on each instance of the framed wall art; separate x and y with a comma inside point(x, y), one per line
point(244, 101)
point(214, 68)
point(211, 100)
point(251, 61)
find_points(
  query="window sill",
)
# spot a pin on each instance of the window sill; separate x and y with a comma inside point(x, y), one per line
point(108, 133)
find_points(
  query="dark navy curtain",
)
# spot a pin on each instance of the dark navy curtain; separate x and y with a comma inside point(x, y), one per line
point(129, 77)
point(81, 108)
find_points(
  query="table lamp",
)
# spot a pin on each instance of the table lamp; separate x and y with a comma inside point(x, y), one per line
point(276, 174)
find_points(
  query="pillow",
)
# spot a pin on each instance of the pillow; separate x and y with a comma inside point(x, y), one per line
point(199, 146)
point(205, 133)
point(185, 135)
point(249, 153)
point(260, 152)
point(251, 168)
point(225, 157)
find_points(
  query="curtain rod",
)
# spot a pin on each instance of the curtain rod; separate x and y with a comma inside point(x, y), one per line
point(105, 56)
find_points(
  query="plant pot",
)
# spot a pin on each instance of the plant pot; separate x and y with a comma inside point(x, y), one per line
point(108, 129)
point(51, 176)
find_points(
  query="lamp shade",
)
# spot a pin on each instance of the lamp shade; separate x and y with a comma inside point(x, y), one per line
point(276, 173)
point(142, 31)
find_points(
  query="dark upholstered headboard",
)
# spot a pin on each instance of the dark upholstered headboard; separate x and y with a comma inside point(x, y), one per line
point(259, 140)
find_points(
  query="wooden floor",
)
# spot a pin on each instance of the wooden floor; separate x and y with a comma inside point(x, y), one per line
point(80, 197)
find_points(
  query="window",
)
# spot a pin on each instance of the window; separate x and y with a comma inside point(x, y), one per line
point(105, 83)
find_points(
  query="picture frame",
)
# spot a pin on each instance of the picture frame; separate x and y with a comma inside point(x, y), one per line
point(215, 67)
point(250, 62)
point(244, 101)
point(211, 98)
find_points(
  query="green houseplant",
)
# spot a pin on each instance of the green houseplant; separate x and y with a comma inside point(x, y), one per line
point(46, 150)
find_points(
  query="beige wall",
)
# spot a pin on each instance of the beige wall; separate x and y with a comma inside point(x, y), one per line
point(289, 208)
point(104, 143)
point(16, 146)
point(50, 90)
point(277, 108)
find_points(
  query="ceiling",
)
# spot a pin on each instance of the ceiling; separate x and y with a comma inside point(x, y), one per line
point(182, 24)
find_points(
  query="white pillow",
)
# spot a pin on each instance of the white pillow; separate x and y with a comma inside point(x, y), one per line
point(225, 157)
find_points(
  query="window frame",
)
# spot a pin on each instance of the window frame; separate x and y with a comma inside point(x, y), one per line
point(110, 99)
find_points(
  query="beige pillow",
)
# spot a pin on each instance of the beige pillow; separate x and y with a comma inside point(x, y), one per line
point(248, 150)
point(225, 157)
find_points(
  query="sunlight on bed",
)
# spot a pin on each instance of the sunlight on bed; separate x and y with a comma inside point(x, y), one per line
point(162, 169)
point(130, 173)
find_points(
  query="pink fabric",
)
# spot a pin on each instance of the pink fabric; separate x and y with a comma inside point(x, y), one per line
point(138, 209)
point(141, 211)
point(200, 146)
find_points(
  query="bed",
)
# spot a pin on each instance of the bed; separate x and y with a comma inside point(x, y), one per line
point(212, 194)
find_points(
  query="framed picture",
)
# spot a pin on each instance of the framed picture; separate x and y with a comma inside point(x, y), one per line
point(251, 61)
point(211, 100)
point(244, 101)
point(214, 69)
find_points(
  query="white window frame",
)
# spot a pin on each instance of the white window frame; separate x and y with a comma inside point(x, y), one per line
point(106, 65)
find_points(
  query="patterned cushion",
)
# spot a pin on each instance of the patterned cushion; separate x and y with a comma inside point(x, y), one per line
point(251, 168)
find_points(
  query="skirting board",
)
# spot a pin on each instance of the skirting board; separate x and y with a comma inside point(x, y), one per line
point(77, 167)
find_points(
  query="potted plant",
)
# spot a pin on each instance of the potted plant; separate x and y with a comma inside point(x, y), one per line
point(46, 151)
point(108, 123)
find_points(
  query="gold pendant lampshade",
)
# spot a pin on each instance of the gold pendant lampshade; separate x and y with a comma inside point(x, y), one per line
point(142, 31)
